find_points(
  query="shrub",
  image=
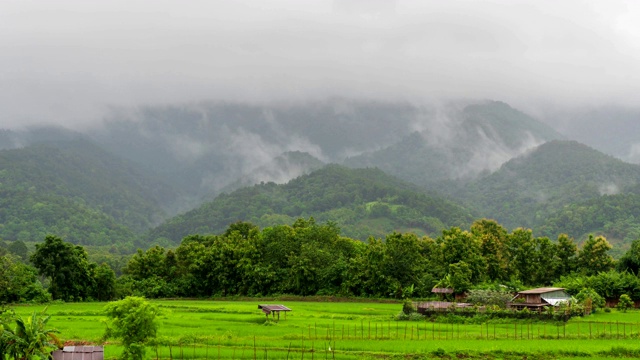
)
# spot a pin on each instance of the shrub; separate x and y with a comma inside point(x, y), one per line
point(587, 295)
point(134, 322)
point(407, 307)
point(489, 298)
point(624, 303)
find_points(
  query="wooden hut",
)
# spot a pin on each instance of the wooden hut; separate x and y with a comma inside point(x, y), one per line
point(444, 292)
point(536, 299)
point(273, 310)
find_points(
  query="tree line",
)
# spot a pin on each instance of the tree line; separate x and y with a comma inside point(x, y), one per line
point(310, 258)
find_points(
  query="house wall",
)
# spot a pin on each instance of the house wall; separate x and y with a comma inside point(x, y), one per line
point(533, 298)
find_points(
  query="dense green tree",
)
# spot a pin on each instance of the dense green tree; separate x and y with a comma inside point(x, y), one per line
point(402, 263)
point(544, 262)
point(630, 261)
point(104, 280)
point(19, 282)
point(593, 256)
point(459, 277)
point(66, 266)
point(493, 238)
point(133, 321)
point(19, 248)
point(566, 256)
point(462, 246)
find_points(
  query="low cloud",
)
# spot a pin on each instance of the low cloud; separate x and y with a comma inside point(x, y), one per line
point(67, 61)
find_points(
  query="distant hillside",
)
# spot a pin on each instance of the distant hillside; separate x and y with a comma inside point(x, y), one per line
point(217, 143)
point(76, 190)
point(470, 142)
point(362, 202)
point(280, 170)
point(614, 216)
point(555, 177)
point(613, 130)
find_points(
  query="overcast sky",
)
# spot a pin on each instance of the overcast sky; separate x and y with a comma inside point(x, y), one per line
point(66, 61)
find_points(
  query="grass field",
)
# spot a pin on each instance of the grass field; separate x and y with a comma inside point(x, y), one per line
point(340, 330)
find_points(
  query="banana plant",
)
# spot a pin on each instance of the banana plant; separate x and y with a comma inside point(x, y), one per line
point(30, 339)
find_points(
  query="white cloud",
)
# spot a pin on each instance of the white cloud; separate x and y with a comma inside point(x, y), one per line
point(66, 60)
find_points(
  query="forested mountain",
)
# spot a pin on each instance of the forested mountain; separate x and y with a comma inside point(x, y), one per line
point(108, 185)
point(473, 141)
point(76, 190)
point(217, 143)
point(555, 188)
point(362, 202)
point(279, 170)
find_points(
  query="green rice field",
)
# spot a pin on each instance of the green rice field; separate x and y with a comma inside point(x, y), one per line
point(350, 330)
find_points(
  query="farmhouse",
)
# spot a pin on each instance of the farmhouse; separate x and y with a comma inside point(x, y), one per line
point(536, 299)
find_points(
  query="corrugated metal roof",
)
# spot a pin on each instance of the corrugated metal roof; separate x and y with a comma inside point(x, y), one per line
point(79, 353)
point(274, 307)
point(541, 290)
point(268, 309)
point(83, 349)
point(554, 302)
point(437, 290)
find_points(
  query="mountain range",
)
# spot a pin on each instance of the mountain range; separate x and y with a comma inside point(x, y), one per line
point(157, 174)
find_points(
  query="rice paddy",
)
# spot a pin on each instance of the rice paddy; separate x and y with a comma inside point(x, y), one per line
point(190, 329)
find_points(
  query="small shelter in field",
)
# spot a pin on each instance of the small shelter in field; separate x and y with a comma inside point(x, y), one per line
point(536, 299)
point(273, 310)
point(79, 353)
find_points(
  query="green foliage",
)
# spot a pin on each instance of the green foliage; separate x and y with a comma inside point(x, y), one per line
point(76, 189)
point(333, 193)
point(624, 303)
point(407, 307)
point(630, 261)
point(593, 256)
point(588, 297)
point(558, 188)
point(492, 298)
point(19, 282)
point(133, 321)
point(66, 266)
point(459, 276)
point(29, 338)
